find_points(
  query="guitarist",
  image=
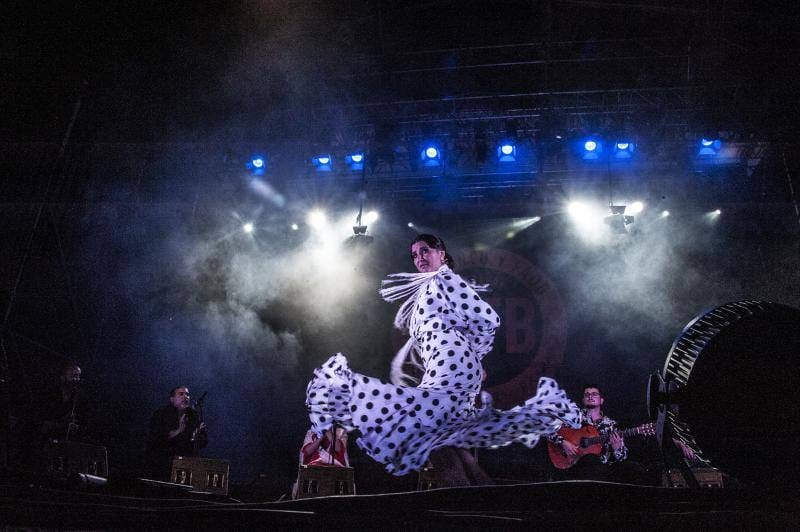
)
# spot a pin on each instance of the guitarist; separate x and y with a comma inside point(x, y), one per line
point(591, 466)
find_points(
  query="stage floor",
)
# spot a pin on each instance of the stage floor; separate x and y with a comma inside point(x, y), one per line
point(570, 505)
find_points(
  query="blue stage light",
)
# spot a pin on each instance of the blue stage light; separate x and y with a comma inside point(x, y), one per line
point(257, 164)
point(591, 149)
point(355, 161)
point(624, 150)
point(430, 156)
point(506, 152)
point(709, 147)
point(322, 163)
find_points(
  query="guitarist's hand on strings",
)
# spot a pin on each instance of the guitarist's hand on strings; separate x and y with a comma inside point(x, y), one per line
point(570, 449)
point(616, 441)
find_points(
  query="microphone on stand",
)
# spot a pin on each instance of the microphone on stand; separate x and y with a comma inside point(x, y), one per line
point(199, 402)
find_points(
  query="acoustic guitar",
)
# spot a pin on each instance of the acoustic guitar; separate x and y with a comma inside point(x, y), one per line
point(589, 440)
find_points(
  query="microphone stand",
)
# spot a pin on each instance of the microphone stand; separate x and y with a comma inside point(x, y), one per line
point(333, 445)
point(198, 405)
point(72, 413)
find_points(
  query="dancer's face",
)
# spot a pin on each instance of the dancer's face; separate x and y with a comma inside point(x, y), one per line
point(426, 258)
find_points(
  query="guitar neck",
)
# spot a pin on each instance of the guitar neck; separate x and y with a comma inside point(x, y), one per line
point(603, 438)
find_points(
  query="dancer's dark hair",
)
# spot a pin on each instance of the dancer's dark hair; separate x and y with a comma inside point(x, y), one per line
point(434, 242)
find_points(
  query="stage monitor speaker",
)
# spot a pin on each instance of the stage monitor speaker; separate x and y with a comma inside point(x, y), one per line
point(207, 475)
point(428, 479)
point(320, 481)
point(728, 389)
point(706, 478)
point(68, 457)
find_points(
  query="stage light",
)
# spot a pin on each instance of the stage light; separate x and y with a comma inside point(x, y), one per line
point(257, 164)
point(355, 161)
point(664, 214)
point(411, 224)
point(323, 163)
point(592, 149)
point(506, 152)
point(317, 219)
point(371, 217)
point(248, 228)
point(295, 227)
point(431, 156)
point(636, 207)
point(709, 147)
point(576, 209)
point(717, 212)
point(624, 150)
point(587, 219)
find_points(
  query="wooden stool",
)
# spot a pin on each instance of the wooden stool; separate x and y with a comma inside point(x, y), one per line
point(321, 481)
point(202, 474)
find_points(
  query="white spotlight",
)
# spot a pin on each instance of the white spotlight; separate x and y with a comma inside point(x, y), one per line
point(636, 207)
point(248, 228)
point(717, 212)
point(371, 217)
point(411, 224)
point(317, 219)
point(576, 208)
point(295, 227)
point(664, 214)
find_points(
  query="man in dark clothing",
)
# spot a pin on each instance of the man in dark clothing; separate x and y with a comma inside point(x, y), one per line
point(62, 414)
point(175, 430)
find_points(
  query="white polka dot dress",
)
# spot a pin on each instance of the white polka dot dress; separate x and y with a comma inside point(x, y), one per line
point(451, 328)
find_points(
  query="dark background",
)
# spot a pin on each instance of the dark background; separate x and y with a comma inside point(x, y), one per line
point(127, 128)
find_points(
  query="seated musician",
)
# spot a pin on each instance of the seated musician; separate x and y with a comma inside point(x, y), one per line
point(325, 451)
point(614, 450)
point(175, 430)
point(63, 411)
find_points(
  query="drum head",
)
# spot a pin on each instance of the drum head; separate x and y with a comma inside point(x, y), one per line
point(738, 370)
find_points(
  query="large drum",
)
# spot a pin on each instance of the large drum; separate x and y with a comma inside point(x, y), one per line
point(730, 390)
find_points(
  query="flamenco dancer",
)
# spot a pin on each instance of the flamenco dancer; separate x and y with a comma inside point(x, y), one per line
point(451, 329)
